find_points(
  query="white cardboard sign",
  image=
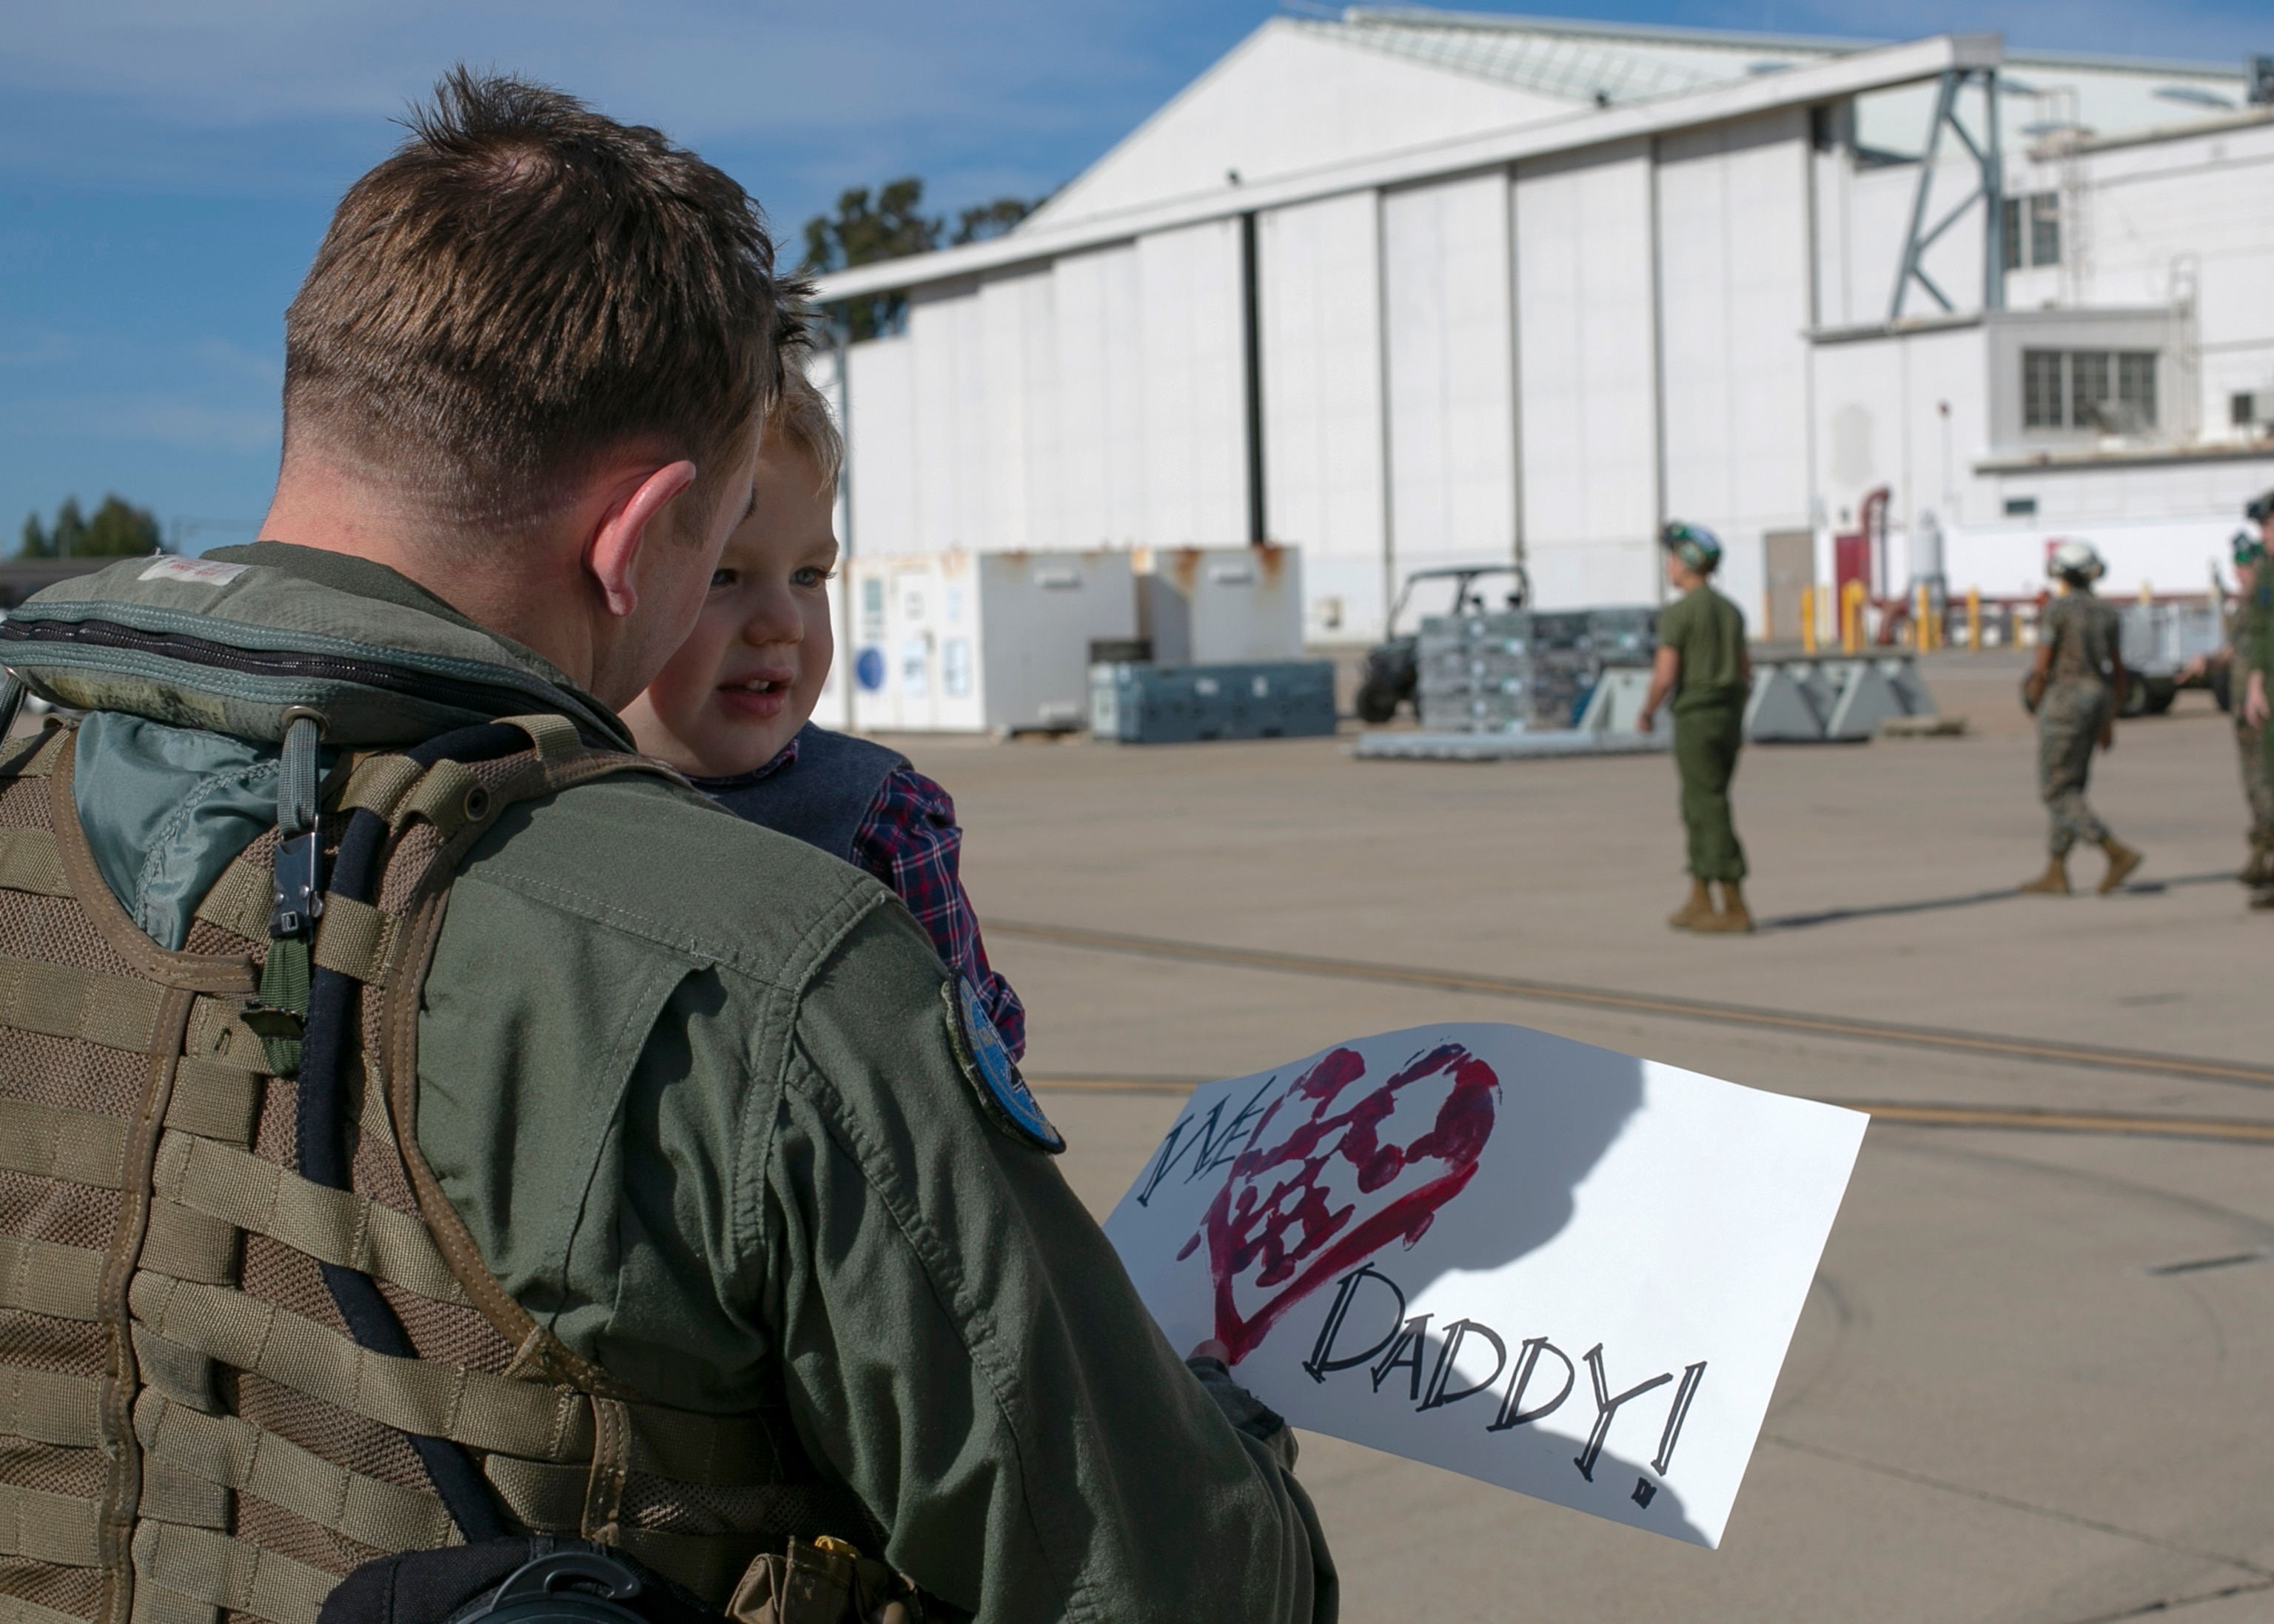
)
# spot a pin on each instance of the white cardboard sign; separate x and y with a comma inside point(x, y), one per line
point(1552, 1267)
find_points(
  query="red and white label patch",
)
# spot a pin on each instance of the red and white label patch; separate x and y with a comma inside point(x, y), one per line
point(205, 572)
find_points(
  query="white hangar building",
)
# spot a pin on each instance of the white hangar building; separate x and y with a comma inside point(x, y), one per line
point(1410, 288)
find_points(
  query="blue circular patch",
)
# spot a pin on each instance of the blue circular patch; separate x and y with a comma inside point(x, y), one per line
point(1013, 1102)
point(868, 669)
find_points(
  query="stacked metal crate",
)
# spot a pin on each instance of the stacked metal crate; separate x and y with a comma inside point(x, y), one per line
point(1141, 704)
point(1522, 670)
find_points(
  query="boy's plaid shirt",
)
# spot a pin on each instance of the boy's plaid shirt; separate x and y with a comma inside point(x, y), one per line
point(910, 841)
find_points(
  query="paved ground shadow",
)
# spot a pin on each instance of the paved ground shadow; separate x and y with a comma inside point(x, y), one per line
point(1931, 905)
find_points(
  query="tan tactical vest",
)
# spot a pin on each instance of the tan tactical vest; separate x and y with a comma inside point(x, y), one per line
point(188, 1430)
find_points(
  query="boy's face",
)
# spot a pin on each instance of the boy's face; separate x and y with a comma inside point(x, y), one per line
point(1681, 574)
point(750, 672)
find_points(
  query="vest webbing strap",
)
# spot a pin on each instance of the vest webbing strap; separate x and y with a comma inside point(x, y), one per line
point(50, 1141)
point(50, 1408)
point(28, 862)
point(234, 1574)
point(333, 1226)
point(188, 1245)
point(379, 782)
point(49, 1528)
point(439, 1401)
point(115, 1011)
point(355, 939)
point(16, 1610)
point(241, 900)
point(549, 1498)
point(233, 1452)
point(43, 760)
point(41, 1277)
point(216, 1032)
point(448, 797)
point(214, 1100)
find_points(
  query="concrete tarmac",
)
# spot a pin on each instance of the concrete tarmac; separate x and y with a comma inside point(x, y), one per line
point(2032, 1380)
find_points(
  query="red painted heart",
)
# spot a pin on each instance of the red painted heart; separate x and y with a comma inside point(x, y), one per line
point(1272, 1225)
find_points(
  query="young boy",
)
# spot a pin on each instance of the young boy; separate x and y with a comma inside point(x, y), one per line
point(1702, 664)
point(729, 709)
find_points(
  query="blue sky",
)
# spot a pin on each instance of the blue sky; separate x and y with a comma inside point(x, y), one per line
point(167, 166)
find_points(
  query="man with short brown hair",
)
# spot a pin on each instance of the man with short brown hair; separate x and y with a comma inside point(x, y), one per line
point(446, 1126)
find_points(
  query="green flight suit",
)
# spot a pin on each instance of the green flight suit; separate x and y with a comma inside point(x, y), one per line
point(1708, 632)
point(2243, 636)
point(695, 1089)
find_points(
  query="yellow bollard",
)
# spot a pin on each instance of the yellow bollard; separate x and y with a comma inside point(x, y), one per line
point(2147, 593)
point(1974, 617)
point(1922, 634)
point(1807, 619)
point(1851, 617)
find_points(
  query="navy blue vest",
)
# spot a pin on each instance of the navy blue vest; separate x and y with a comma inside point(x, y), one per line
point(822, 798)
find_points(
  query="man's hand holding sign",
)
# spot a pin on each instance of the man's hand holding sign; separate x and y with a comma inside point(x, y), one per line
point(1539, 1263)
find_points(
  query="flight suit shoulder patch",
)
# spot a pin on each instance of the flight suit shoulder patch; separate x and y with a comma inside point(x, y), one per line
point(993, 1075)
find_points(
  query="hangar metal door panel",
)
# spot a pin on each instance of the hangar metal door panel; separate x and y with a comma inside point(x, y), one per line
point(1789, 564)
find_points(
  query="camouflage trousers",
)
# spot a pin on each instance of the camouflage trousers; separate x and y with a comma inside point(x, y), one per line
point(2069, 722)
point(2257, 789)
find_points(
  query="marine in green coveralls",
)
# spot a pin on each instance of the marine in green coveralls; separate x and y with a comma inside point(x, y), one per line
point(2254, 661)
point(2076, 687)
point(1702, 663)
point(703, 1096)
point(2237, 661)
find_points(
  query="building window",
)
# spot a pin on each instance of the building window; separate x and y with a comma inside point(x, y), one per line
point(2043, 399)
point(2032, 231)
point(2021, 507)
point(2112, 391)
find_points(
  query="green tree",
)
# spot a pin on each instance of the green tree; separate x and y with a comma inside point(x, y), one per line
point(990, 219)
point(118, 529)
point(891, 225)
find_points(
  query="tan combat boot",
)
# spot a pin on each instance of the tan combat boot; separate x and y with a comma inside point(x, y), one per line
point(2121, 861)
point(2053, 883)
point(1700, 906)
point(1733, 917)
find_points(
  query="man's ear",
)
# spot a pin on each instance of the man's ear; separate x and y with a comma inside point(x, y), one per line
point(611, 555)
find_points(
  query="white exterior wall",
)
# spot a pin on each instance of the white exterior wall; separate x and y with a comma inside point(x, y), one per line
point(1193, 363)
point(2201, 210)
point(1318, 273)
point(880, 463)
point(1587, 376)
point(947, 363)
point(1878, 423)
point(1017, 441)
point(1451, 383)
point(1100, 479)
point(1733, 299)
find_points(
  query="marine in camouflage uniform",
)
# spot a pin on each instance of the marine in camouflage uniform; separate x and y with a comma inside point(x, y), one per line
point(2081, 673)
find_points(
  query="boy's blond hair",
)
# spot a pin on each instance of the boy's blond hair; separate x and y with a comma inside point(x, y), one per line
point(800, 417)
